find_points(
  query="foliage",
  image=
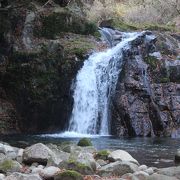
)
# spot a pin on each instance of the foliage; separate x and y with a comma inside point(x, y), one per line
point(103, 154)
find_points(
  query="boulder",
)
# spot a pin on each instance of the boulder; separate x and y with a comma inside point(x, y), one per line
point(160, 177)
point(49, 172)
point(117, 168)
point(2, 176)
point(141, 175)
point(142, 168)
point(120, 155)
point(20, 176)
point(8, 165)
point(76, 166)
point(68, 175)
point(103, 154)
point(38, 153)
point(149, 171)
point(84, 142)
point(171, 171)
point(87, 159)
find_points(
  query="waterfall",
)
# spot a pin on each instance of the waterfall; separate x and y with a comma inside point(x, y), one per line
point(94, 86)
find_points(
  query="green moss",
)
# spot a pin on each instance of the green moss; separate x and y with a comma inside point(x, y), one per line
point(78, 46)
point(123, 26)
point(164, 80)
point(156, 27)
point(58, 22)
point(102, 155)
point(21, 56)
point(6, 165)
point(79, 167)
point(84, 142)
point(152, 61)
point(70, 175)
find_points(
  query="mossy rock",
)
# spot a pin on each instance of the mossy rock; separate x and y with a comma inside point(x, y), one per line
point(103, 154)
point(151, 61)
point(57, 22)
point(84, 142)
point(9, 166)
point(68, 175)
point(79, 167)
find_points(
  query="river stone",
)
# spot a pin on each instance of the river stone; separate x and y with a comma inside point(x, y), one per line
point(8, 165)
point(38, 153)
point(87, 159)
point(2, 149)
point(160, 177)
point(120, 155)
point(171, 171)
point(101, 162)
point(68, 175)
point(20, 176)
point(76, 166)
point(118, 168)
point(2, 176)
point(149, 171)
point(142, 168)
point(141, 175)
point(49, 172)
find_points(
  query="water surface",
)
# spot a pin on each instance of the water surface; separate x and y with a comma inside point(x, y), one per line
point(158, 152)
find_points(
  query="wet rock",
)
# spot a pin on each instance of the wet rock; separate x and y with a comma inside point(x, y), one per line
point(38, 153)
point(120, 155)
point(117, 168)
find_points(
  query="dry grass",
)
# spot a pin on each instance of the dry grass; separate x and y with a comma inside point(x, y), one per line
point(143, 12)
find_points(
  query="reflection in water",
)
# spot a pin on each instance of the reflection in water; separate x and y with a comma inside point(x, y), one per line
point(158, 152)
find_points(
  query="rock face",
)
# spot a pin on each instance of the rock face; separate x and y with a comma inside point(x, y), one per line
point(146, 102)
point(37, 67)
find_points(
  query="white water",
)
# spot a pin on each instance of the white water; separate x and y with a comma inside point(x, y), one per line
point(95, 85)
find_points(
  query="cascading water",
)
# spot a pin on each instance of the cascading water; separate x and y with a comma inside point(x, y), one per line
point(95, 85)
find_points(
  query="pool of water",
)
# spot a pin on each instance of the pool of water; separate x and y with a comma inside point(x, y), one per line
point(158, 152)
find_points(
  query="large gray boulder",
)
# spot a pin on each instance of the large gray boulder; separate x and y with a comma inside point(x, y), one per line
point(117, 169)
point(38, 153)
point(121, 155)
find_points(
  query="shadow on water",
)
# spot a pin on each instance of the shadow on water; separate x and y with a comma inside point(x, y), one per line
point(158, 152)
